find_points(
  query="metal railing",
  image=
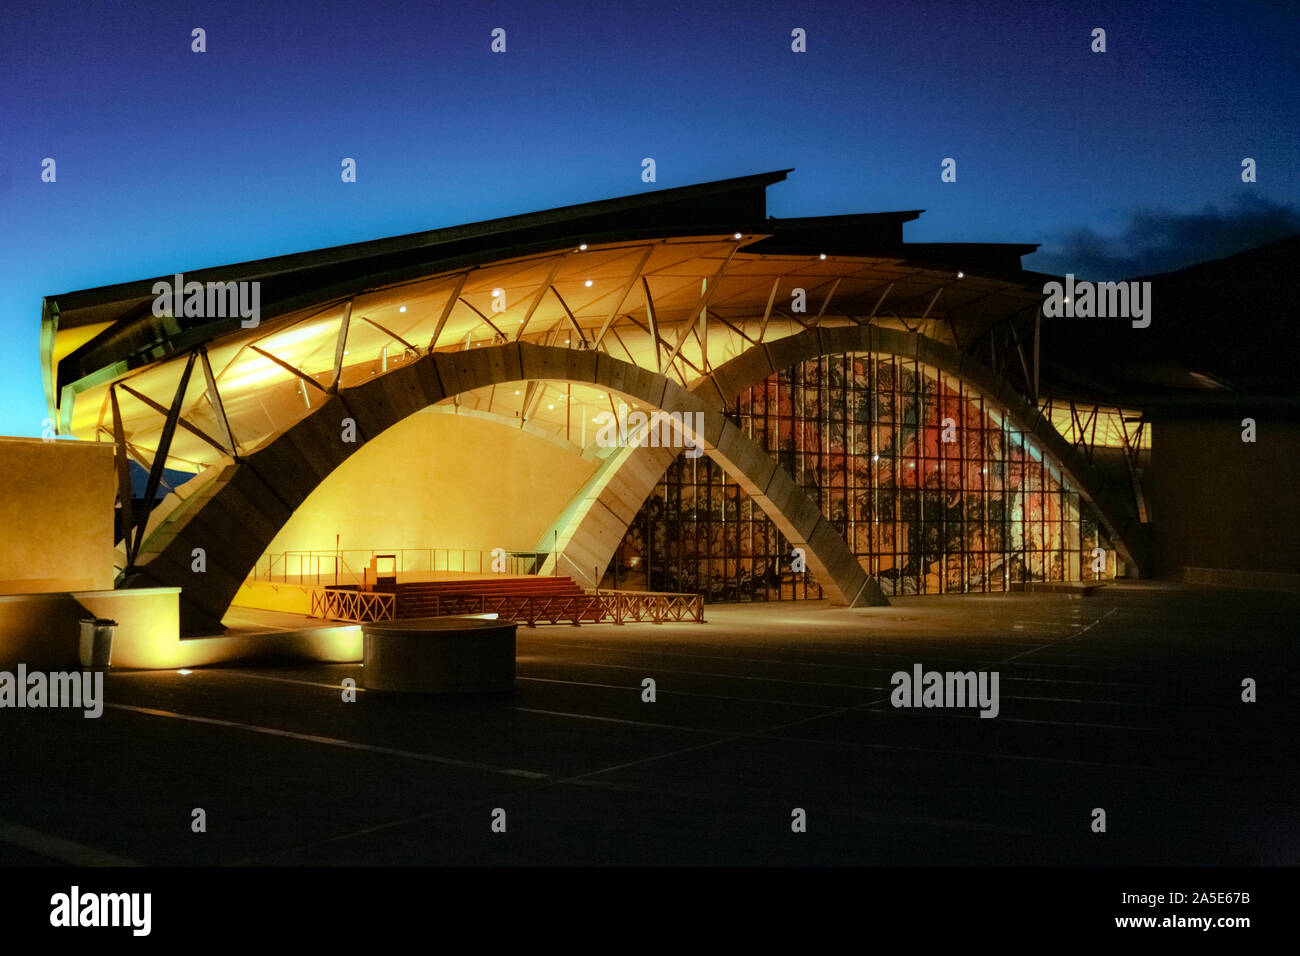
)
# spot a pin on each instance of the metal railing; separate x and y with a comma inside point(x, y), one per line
point(604, 607)
point(352, 606)
point(657, 606)
point(331, 567)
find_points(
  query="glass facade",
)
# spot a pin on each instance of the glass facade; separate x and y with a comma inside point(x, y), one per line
point(929, 483)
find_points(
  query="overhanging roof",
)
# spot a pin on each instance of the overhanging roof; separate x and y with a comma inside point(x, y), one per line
point(112, 327)
point(1222, 340)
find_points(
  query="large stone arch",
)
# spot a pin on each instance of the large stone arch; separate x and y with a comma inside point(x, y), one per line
point(596, 520)
point(235, 516)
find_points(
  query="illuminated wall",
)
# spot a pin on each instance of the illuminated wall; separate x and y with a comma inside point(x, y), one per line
point(438, 480)
point(56, 509)
point(865, 437)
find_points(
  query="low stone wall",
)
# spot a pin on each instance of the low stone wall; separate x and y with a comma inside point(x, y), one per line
point(439, 655)
point(1228, 578)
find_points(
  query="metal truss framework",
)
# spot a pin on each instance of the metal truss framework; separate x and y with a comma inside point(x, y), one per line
point(1082, 433)
point(685, 341)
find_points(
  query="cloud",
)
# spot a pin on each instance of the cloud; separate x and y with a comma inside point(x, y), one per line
point(1161, 240)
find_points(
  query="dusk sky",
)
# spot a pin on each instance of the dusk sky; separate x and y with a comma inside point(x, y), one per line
point(169, 160)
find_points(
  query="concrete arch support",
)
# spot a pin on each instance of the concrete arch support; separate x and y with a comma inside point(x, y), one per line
point(594, 523)
point(1116, 514)
point(238, 513)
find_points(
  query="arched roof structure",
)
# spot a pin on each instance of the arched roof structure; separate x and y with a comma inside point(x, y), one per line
point(688, 293)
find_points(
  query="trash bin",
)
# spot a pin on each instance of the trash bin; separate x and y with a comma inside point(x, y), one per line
point(96, 650)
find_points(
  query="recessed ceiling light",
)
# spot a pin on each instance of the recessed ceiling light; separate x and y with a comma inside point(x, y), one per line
point(960, 274)
point(587, 283)
point(401, 308)
point(185, 673)
point(822, 256)
point(582, 248)
point(736, 236)
point(551, 407)
point(516, 391)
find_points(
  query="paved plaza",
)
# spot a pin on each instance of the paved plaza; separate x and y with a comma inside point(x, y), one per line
point(1128, 700)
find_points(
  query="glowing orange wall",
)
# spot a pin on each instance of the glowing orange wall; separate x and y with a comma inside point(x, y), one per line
point(56, 516)
point(440, 480)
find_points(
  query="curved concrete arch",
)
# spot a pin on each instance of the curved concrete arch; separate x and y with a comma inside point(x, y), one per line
point(236, 515)
point(1114, 511)
point(594, 523)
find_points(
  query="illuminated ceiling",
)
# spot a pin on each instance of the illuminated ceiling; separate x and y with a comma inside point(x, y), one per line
point(652, 279)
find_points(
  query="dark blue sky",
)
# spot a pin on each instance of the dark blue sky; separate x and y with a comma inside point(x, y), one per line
point(170, 160)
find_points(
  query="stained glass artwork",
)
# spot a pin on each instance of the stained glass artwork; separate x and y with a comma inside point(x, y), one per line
point(930, 484)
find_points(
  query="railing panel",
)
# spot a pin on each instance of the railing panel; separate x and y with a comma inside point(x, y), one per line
point(618, 607)
point(348, 561)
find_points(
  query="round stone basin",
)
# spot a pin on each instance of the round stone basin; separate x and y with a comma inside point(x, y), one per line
point(439, 655)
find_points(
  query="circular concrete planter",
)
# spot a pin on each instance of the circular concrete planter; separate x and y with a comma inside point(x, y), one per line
point(439, 655)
